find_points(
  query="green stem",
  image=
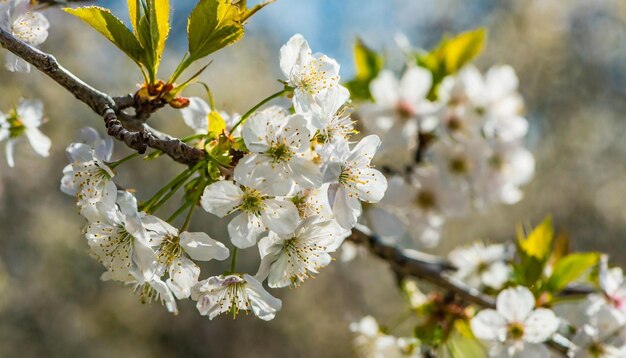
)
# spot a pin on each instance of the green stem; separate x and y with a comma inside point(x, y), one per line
point(167, 196)
point(233, 262)
point(194, 202)
point(178, 212)
point(258, 105)
point(180, 177)
point(115, 164)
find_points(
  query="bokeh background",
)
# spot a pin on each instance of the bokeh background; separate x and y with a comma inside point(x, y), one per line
point(571, 60)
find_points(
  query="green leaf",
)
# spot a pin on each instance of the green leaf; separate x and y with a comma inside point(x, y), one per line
point(462, 344)
point(153, 28)
point(213, 24)
point(112, 28)
point(368, 64)
point(217, 124)
point(539, 243)
point(134, 12)
point(451, 55)
point(162, 15)
point(462, 49)
point(570, 268)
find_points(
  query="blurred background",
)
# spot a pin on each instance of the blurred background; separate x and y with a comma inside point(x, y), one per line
point(571, 60)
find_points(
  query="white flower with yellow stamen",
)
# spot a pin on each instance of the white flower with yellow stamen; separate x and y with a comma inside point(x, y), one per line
point(257, 210)
point(515, 327)
point(87, 176)
point(17, 17)
point(234, 293)
point(311, 75)
point(355, 180)
point(277, 163)
point(24, 120)
point(288, 260)
point(121, 243)
point(175, 252)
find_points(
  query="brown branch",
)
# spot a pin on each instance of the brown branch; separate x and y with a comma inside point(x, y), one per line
point(111, 109)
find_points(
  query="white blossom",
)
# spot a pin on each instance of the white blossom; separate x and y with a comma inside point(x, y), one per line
point(175, 252)
point(355, 180)
point(121, 243)
point(371, 342)
point(277, 163)
point(88, 177)
point(154, 290)
point(233, 293)
point(288, 260)
point(399, 112)
point(310, 75)
point(17, 17)
point(481, 266)
point(257, 211)
point(515, 328)
point(24, 120)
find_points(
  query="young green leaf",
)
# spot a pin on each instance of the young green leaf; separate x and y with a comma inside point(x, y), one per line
point(134, 12)
point(462, 49)
point(213, 24)
point(570, 268)
point(451, 55)
point(112, 28)
point(538, 244)
point(216, 123)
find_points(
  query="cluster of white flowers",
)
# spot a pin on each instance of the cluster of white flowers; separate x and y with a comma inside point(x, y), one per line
point(295, 193)
point(479, 266)
point(371, 342)
point(24, 121)
point(602, 330)
point(470, 144)
point(516, 328)
point(22, 21)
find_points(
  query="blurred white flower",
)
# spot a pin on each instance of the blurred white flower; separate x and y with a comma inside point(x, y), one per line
point(288, 260)
point(515, 328)
point(31, 27)
point(370, 342)
point(233, 293)
point(24, 120)
point(480, 266)
point(310, 75)
point(602, 337)
point(398, 114)
point(257, 211)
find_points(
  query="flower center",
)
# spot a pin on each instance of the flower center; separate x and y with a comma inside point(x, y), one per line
point(170, 250)
point(315, 79)
point(280, 153)
point(405, 110)
point(516, 331)
point(596, 349)
point(496, 162)
point(16, 126)
point(252, 201)
point(454, 123)
point(425, 200)
point(458, 165)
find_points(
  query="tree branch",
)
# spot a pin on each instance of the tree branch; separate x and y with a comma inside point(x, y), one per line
point(104, 105)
